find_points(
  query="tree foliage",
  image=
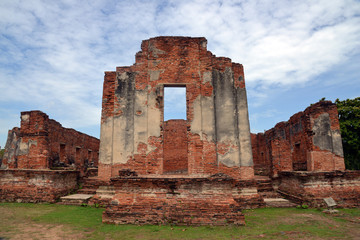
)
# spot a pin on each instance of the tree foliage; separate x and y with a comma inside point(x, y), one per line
point(2, 153)
point(349, 118)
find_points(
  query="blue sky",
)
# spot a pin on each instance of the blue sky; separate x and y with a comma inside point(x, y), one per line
point(53, 54)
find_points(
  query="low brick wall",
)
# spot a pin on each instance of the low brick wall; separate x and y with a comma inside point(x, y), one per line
point(312, 187)
point(36, 185)
point(180, 201)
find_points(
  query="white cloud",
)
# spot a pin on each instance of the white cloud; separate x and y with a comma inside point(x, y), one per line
point(53, 53)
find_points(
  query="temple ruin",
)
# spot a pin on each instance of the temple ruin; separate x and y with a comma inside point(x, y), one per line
point(213, 142)
point(44, 161)
point(202, 170)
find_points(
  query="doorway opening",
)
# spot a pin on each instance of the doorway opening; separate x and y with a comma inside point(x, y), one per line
point(175, 131)
point(299, 158)
point(174, 102)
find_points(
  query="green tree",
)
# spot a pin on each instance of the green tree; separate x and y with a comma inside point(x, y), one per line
point(349, 118)
point(2, 153)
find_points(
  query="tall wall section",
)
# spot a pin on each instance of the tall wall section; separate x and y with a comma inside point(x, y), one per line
point(309, 141)
point(217, 126)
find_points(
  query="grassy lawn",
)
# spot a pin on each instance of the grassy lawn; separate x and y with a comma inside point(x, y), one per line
point(50, 221)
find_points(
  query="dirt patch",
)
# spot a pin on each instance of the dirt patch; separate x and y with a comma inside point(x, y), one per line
point(44, 231)
point(308, 217)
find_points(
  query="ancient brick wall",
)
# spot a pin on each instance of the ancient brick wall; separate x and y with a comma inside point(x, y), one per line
point(36, 185)
point(132, 125)
point(262, 164)
point(42, 143)
point(182, 171)
point(309, 141)
point(312, 187)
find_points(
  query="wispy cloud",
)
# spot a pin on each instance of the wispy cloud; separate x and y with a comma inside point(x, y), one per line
point(53, 53)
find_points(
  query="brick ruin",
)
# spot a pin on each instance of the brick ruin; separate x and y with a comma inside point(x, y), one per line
point(206, 161)
point(309, 141)
point(201, 161)
point(42, 143)
point(45, 159)
point(216, 132)
point(202, 170)
point(304, 157)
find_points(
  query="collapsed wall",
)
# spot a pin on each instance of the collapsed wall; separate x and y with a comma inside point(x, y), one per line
point(304, 157)
point(42, 143)
point(309, 141)
point(43, 160)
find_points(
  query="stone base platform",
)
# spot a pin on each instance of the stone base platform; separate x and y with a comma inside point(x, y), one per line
point(312, 187)
point(278, 203)
point(75, 199)
point(181, 200)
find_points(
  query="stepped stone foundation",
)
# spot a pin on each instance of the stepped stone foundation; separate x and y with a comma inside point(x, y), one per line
point(179, 200)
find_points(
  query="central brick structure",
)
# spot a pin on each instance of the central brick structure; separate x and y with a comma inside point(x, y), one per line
point(133, 132)
point(173, 161)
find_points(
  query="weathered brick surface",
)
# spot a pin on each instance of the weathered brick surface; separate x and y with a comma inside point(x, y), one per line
point(175, 159)
point(312, 187)
point(9, 159)
point(42, 143)
point(175, 147)
point(133, 131)
point(180, 200)
point(36, 185)
point(309, 141)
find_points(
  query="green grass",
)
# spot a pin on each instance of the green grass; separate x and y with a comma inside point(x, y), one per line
point(266, 223)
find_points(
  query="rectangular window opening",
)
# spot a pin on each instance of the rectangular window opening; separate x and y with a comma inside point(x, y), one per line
point(62, 153)
point(174, 102)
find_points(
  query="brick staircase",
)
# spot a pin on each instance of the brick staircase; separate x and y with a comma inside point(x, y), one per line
point(89, 186)
point(271, 197)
